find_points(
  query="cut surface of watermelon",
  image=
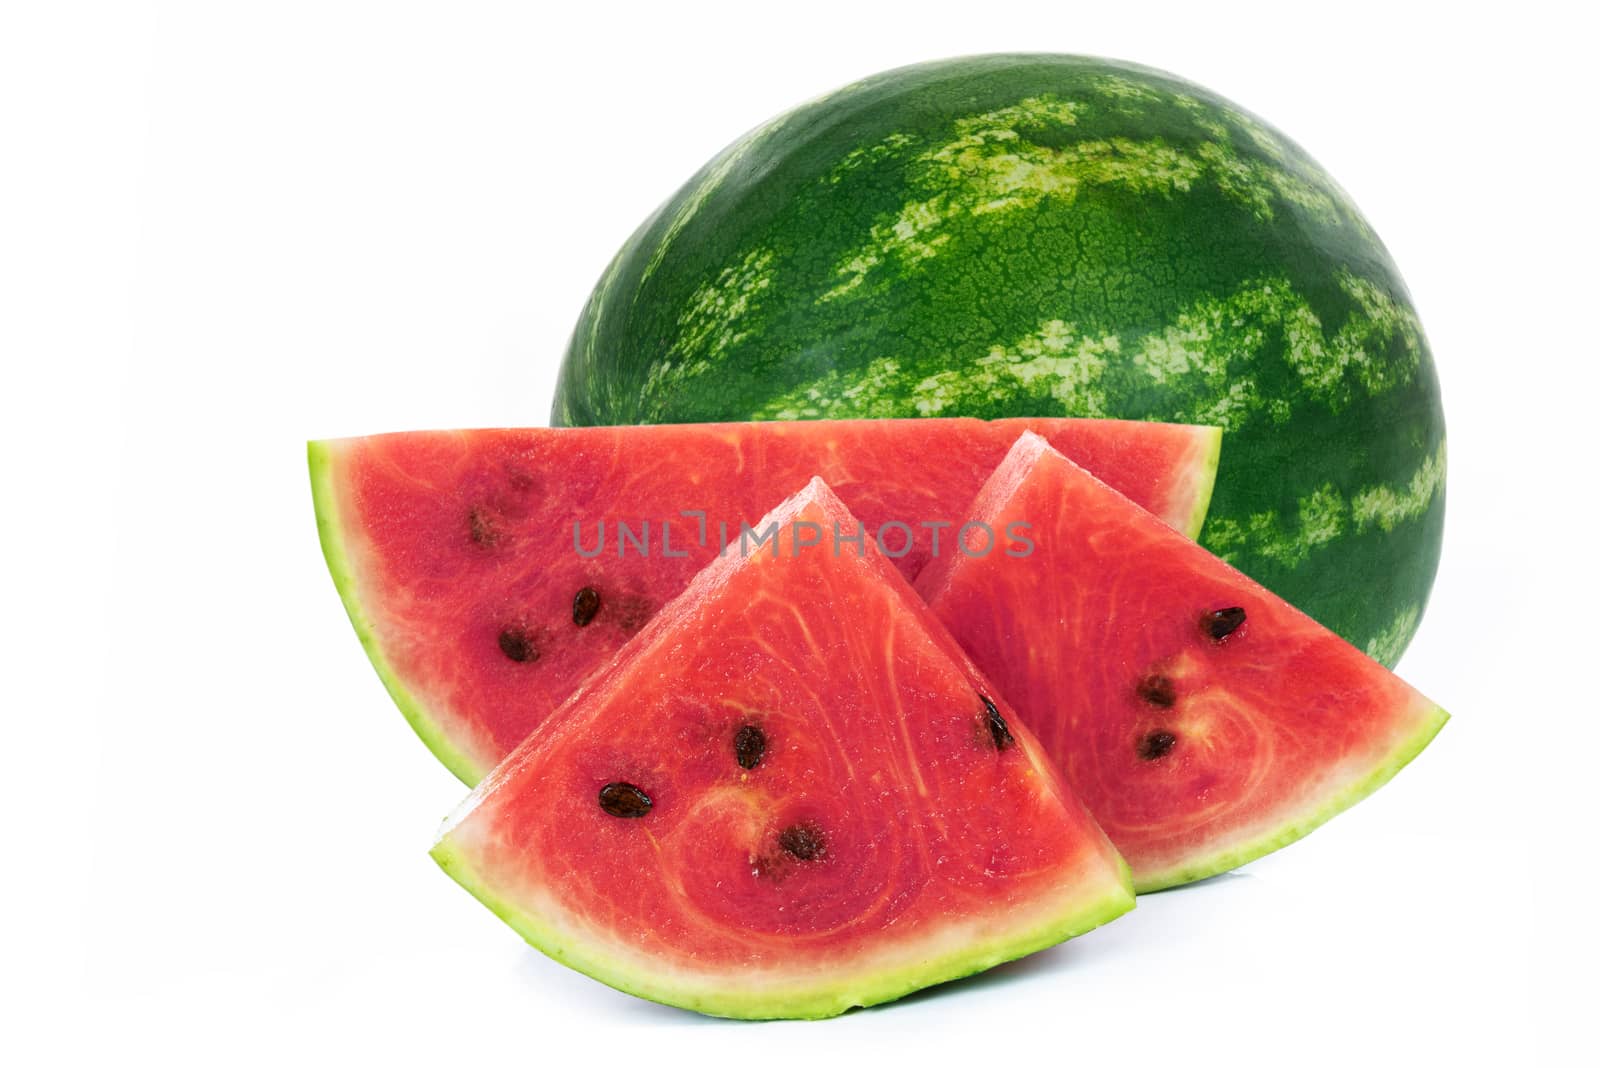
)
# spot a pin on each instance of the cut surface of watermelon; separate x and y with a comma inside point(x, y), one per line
point(790, 795)
point(1203, 720)
point(488, 572)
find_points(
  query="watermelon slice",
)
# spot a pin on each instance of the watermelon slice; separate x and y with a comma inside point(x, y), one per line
point(792, 794)
point(482, 608)
point(1202, 719)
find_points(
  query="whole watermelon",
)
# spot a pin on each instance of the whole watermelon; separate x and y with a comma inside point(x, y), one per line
point(1053, 235)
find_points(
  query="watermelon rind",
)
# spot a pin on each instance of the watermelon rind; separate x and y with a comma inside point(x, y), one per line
point(324, 494)
point(798, 995)
point(1049, 235)
point(1203, 477)
point(1238, 853)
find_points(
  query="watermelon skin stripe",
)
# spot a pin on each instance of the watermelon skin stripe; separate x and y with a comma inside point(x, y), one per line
point(1054, 236)
point(391, 514)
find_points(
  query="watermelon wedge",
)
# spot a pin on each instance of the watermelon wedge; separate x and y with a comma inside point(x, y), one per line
point(1202, 719)
point(790, 795)
point(488, 572)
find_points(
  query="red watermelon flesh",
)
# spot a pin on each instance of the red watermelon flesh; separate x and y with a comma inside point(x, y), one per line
point(790, 795)
point(455, 554)
point(1202, 719)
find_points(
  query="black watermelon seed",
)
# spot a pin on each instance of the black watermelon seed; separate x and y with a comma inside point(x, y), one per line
point(1157, 690)
point(624, 800)
point(802, 842)
point(749, 746)
point(1221, 623)
point(585, 605)
point(518, 645)
point(480, 524)
point(1156, 745)
point(998, 731)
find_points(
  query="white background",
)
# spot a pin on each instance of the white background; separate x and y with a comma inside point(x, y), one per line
point(225, 229)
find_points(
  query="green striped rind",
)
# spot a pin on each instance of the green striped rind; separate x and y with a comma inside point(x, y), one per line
point(809, 995)
point(324, 493)
point(1236, 854)
point(1049, 236)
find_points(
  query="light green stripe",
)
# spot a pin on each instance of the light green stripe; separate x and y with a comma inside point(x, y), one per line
point(1203, 476)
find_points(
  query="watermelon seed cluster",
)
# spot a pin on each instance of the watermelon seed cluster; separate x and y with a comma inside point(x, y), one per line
point(1158, 690)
